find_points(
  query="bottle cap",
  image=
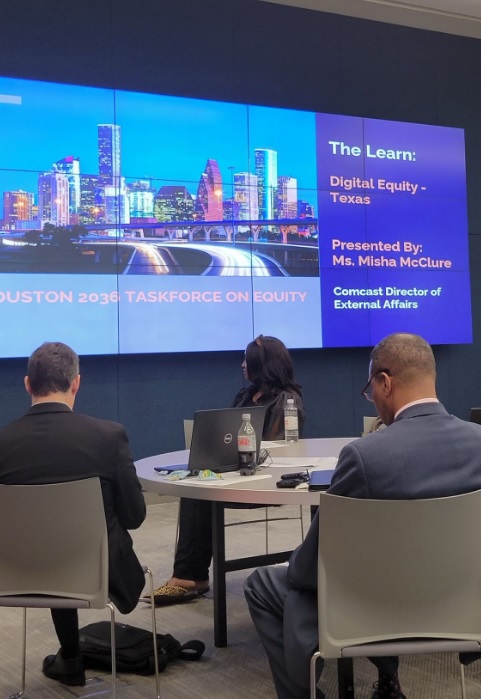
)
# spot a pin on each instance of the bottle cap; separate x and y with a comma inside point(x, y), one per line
point(290, 401)
point(246, 416)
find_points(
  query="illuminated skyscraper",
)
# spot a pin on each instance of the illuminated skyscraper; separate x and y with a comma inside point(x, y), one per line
point(266, 171)
point(173, 203)
point(53, 198)
point(231, 210)
point(286, 197)
point(17, 206)
point(91, 199)
point(116, 203)
point(208, 204)
point(304, 209)
point(141, 199)
point(70, 166)
point(245, 194)
point(109, 154)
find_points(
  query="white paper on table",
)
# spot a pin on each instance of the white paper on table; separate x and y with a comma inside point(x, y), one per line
point(227, 479)
point(316, 463)
point(273, 445)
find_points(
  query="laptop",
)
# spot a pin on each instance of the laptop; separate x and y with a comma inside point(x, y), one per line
point(214, 439)
point(475, 415)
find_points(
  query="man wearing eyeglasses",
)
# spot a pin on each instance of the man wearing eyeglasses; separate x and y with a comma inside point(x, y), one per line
point(424, 452)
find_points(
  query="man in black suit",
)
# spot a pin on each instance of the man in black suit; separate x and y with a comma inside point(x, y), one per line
point(424, 452)
point(52, 444)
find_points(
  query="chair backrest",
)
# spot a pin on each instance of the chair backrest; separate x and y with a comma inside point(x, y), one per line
point(398, 569)
point(367, 424)
point(53, 541)
point(188, 427)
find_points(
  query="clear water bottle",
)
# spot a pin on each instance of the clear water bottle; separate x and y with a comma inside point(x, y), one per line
point(291, 421)
point(247, 446)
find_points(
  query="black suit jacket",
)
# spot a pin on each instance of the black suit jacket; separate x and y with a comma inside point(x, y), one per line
point(52, 444)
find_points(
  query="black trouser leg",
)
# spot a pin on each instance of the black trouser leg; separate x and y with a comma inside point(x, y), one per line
point(67, 628)
point(194, 548)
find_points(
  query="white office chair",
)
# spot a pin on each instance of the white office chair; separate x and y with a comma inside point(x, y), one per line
point(398, 577)
point(54, 554)
point(188, 427)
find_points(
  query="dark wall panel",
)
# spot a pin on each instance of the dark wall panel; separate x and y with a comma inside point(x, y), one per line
point(250, 51)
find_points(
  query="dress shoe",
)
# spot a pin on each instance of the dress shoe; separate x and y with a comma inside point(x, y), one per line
point(70, 672)
point(388, 687)
point(468, 658)
point(380, 694)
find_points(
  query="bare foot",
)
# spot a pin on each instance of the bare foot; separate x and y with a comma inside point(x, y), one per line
point(199, 586)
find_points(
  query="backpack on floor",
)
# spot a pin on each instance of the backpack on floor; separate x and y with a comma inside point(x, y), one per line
point(134, 648)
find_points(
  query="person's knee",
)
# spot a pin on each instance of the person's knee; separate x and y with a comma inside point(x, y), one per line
point(251, 584)
point(267, 588)
point(258, 588)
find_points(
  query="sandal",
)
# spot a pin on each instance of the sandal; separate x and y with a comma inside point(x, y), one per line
point(170, 594)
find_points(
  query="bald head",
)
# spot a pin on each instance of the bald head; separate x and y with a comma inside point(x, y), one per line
point(402, 370)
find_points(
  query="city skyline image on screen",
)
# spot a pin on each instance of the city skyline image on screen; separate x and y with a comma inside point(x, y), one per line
point(138, 223)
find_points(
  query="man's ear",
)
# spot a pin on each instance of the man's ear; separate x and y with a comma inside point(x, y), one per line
point(26, 383)
point(75, 385)
point(387, 384)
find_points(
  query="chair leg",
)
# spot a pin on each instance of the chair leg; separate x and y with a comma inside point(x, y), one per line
point(463, 683)
point(313, 683)
point(154, 630)
point(267, 530)
point(113, 650)
point(19, 695)
point(24, 650)
point(177, 528)
point(302, 522)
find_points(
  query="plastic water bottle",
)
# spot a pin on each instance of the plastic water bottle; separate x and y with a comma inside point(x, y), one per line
point(291, 421)
point(247, 446)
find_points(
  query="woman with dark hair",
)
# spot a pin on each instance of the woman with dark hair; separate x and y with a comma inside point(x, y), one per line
point(268, 367)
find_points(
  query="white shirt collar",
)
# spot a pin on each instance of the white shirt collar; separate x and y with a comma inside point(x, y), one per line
point(415, 402)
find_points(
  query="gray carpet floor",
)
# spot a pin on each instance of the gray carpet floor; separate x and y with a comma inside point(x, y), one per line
point(241, 669)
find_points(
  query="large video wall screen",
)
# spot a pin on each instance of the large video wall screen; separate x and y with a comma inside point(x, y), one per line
point(136, 223)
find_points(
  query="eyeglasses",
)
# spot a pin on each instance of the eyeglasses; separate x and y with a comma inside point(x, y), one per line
point(367, 391)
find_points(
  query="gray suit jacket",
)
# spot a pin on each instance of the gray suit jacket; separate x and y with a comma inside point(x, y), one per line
point(52, 444)
point(425, 453)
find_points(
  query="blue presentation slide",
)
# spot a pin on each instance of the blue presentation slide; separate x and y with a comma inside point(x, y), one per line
point(150, 223)
point(393, 239)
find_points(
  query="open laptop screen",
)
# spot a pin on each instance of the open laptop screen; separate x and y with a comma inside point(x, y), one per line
point(475, 415)
point(214, 437)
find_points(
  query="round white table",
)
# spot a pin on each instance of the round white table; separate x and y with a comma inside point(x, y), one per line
point(261, 491)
